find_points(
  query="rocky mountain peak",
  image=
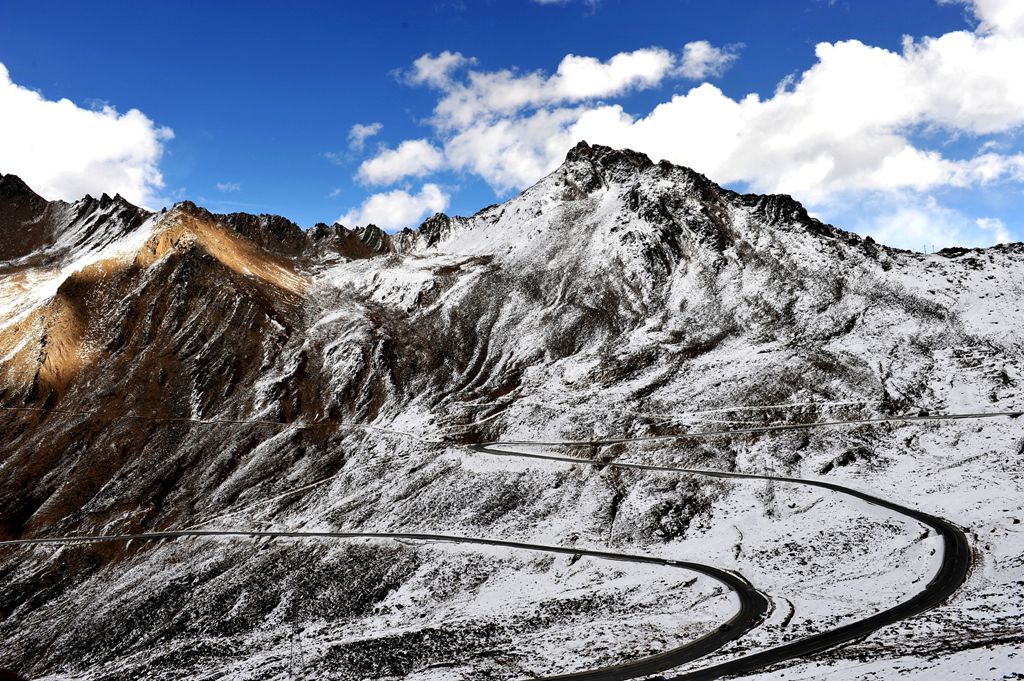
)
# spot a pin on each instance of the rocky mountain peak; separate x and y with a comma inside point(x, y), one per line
point(435, 228)
point(12, 186)
point(587, 167)
point(608, 158)
point(22, 227)
point(375, 238)
point(190, 208)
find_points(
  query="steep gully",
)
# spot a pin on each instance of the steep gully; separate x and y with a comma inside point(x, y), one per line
point(753, 606)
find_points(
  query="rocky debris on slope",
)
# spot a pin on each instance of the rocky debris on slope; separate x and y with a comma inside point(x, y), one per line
point(615, 296)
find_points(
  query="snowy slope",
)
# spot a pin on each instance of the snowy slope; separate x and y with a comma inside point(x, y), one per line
point(617, 296)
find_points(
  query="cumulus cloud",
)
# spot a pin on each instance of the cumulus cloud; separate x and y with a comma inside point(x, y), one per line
point(701, 59)
point(920, 223)
point(997, 228)
point(397, 208)
point(480, 112)
point(436, 71)
point(412, 158)
point(360, 132)
point(65, 151)
point(996, 16)
point(577, 78)
point(846, 123)
point(229, 187)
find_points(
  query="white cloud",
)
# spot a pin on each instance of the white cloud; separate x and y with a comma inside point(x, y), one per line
point(479, 114)
point(64, 151)
point(577, 78)
point(920, 223)
point(511, 152)
point(701, 59)
point(338, 158)
point(436, 71)
point(996, 16)
point(412, 158)
point(995, 227)
point(397, 208)
point(229, 187)
point(360, 132)
point(334, 193)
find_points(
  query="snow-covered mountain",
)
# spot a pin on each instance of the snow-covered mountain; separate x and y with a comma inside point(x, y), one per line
point(338, 374)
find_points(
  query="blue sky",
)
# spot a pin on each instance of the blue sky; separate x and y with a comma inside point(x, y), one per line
point(250, 106)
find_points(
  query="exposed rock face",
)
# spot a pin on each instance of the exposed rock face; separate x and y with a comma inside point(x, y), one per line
point(35, 231)
point(616, 296)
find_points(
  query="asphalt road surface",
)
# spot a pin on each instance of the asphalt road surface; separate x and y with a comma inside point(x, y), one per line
point(956, 557)
point(753, 606)
point(956, 554)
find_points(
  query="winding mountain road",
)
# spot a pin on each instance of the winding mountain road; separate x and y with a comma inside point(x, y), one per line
point(953, 571)
point(753, 606)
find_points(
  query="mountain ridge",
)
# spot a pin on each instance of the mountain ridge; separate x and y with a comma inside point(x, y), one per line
point(618, 164)
point(169, 367)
